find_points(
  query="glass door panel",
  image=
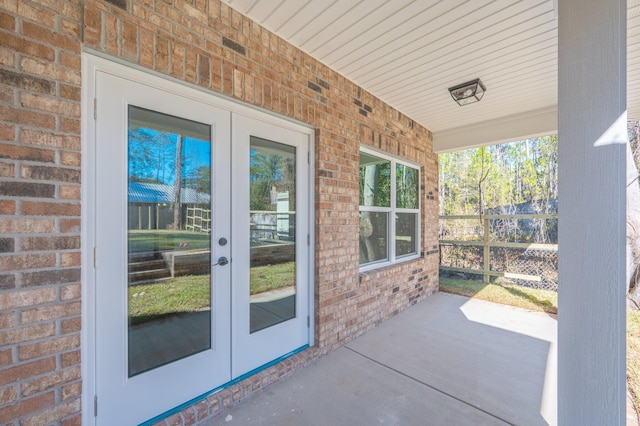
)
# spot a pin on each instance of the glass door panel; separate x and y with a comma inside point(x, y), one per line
point(270, 255)
point(162, 312)
point(169, 239)
point(272, 186)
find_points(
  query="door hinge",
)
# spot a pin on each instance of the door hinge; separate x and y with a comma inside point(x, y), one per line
point(95, 108)
point(308, 321)
point(308, 239)
point(95, 262)
point(95, 406)
point(308, 157)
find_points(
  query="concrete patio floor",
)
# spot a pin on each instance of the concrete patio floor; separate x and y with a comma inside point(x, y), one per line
point(448, 360)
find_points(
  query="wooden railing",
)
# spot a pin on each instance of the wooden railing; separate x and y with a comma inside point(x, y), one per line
point(487, 244)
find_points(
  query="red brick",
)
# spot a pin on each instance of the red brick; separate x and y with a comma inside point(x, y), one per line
point(7, 320)
point(33, 208)
point(27, 370)
point(49, 347)
point(25, 334)
point(50, 173)
point(54, 414)
point(47, 313)
point(31, 48)
point(19, 116)
point(7, 21)
point(129, 41)
point(17, 152)
point(10, 6)
point(69, 225)
point(162, 54)
point(70, 358)
point(146, 48)
point(7, 170)
point(69, 158)
point(20, 298)
point(178, 60)
point(70, 28)
point(7, 96)
point(68, 192)
point(47, 36)
point(49, 277)
point(7, 281)
point(72, 325)
point(27, 261)
point(112, 34)
point(50, 104)
point(43, 138)
point(72, 93)
point(50, 243)
point(7, 57)
point(8, 395)
point(49, 381)
point(26, 226)
point(92, 26)
point(7, 131)
point(6, 357)
point(71, 60)
point(191, 66)
point(70, 292)
point(72, 421)
point(6, 206)
point(73, 390)
point(36, 13)
point(70, 259)
point(51, 70)
point(69, 125)
point(27, 189)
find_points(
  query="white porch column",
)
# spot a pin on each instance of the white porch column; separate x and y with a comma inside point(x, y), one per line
point(592, 133)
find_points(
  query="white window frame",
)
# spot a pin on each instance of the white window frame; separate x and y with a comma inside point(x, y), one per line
point(391, 212)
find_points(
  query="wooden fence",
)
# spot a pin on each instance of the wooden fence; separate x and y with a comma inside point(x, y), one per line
point(483, 237)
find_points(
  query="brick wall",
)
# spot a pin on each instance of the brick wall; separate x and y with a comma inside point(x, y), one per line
point(40, 81)
point(207, 44)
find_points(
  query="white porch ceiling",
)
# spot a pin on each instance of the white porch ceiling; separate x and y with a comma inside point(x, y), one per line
point(408, 52)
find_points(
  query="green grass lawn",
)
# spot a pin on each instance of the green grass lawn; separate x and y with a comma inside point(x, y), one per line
point(514, 295)
point(272, 277)
point(193, 293)
point(158, 299)
point(547, 301)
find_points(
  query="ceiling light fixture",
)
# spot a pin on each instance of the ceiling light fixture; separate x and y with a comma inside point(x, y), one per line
point(468, 93)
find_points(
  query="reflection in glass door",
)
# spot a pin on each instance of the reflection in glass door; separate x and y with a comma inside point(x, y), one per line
point(270, 251)
point(169, 239)
point(272, 184)
point(162, 312)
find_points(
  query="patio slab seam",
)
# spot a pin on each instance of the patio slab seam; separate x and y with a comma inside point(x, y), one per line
point(408, 376)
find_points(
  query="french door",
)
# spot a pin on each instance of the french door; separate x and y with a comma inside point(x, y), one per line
point(201, 227)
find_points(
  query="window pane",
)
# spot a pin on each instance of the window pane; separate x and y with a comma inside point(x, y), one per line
point(169, 239)
point(375, 181)
point(373, 237)
point(406, 234)
point(272, 186)
point(406, 187)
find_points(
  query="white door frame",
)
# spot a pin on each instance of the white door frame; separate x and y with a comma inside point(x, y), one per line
point(91, 65)
point(251, 350)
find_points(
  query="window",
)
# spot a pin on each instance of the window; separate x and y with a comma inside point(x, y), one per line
point(389, 209)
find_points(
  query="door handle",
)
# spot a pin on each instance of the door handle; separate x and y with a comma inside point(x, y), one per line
point(221, 261)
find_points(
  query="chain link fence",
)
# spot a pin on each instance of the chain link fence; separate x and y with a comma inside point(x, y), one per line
point(515, 249)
